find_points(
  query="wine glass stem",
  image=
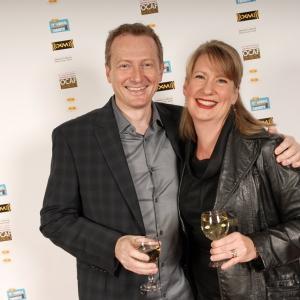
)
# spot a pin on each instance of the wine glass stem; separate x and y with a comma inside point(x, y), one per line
point(151, 278)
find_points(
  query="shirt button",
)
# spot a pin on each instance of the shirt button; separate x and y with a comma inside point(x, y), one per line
point(164, 295)
point(155, 200)
point(161, 232)
point(162, 265)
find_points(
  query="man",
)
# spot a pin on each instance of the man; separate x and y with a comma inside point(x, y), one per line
point(114, 177)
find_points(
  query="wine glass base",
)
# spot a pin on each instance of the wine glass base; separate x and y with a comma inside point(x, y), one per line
point(150, 287)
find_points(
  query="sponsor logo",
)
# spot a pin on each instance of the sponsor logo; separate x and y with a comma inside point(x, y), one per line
point(248, 15)
point(59, 25)
point(61, 45)
point(5, 232)
point(167, 85)
point(72, 108)
point(67, 80)
point(3, 191)
point(247, 30)
point(268, 121)
point(252, 71)
point(254, 79)
point(148, 7)
point(251, 52)
point(152, 25)
point(52, 1)
point(244, 1)
point(260, 103)
point(16, 294)
point(4, 208)
point(71, 99)
point(167, 66)
point(5, 259)
point(63, 59)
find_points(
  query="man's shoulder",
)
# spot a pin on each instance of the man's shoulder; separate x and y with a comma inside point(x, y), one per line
point(84, 121)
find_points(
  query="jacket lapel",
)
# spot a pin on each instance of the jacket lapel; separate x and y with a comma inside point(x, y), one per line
point(171, 127)
point(235, 166)
point(107, 135)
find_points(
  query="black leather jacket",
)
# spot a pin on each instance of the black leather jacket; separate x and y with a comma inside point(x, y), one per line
point(265, 198)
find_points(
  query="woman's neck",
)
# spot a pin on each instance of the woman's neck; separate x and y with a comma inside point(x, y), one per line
point(207, 137)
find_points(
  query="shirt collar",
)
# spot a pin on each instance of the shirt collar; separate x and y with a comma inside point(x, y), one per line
point(124, 125)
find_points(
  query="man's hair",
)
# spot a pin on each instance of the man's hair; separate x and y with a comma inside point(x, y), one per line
point(136, 29)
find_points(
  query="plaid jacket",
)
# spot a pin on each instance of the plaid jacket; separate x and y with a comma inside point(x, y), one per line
point(90, 200)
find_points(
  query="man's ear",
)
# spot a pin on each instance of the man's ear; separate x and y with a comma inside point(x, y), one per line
point(107, 72)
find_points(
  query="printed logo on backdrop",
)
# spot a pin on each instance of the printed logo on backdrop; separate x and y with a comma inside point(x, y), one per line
point(3, 191)
point(247, 30)
point(5, 208)
point(152, 25)
point(52, 1)
point(167, 85)
point(5, 256)
point(248, 15)
point(251, 52)
point(59, 25)
point(244, 1)
point(5, 231)
point(67, 80)
point(71, 102)
point(258, 103)
point(16, 294)
point(61, 45)
point(167, 66)
point(62, 59)
point(268, 121)
point(148, 7)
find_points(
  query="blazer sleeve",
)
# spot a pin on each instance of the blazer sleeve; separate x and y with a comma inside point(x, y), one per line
point(62, 220)
point(280, 243)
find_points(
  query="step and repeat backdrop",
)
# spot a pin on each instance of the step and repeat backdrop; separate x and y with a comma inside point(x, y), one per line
point(52, 70)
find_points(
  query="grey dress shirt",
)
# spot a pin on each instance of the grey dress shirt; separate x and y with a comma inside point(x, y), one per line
point(152, 164)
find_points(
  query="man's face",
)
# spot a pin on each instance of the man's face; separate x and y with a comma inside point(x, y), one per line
point(134, 71)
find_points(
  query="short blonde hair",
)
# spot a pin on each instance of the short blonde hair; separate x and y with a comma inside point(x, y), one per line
point(229, 60)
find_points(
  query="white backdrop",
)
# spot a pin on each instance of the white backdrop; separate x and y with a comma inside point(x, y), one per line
point(32, 102)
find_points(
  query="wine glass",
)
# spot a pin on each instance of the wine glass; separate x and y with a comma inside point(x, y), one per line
point(149, 245)
point(215, 225)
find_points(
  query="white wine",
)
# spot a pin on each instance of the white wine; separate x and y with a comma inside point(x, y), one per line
point(214, 228)
point(152, 251)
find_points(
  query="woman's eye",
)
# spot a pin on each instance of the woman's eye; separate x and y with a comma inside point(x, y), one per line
point(222, 80)
point(199, 76)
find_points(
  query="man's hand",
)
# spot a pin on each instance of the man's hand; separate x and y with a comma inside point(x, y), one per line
point(288, 152)
point(131, 258)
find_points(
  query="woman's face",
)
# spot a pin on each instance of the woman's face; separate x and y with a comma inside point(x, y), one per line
point(209, 93)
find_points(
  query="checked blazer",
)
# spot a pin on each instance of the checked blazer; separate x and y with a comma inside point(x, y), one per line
point(90, 200)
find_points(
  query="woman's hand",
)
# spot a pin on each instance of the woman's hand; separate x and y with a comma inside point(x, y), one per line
point(235, 248)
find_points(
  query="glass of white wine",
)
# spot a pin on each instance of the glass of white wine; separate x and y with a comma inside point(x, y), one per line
point(215, 225)
point(149, 245)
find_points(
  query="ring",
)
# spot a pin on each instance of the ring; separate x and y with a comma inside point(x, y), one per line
point(233, 253)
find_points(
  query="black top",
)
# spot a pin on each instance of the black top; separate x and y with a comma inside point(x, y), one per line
point(198, 194)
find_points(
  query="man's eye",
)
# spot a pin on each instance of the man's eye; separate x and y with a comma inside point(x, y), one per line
point(199, 76)
point(124, 66)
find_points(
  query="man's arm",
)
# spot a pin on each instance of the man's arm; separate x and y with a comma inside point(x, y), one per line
point(62, 218)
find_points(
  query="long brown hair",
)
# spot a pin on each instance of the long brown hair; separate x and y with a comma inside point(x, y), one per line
point(230, 62)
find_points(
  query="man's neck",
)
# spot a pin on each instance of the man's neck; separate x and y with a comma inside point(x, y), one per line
point(137, 117)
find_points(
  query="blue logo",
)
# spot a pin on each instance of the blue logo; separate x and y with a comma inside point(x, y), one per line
point(3, 191)
point(260, 103)
point(167, 66)
point(57, 25)
point(244, 1)
point(18, 294)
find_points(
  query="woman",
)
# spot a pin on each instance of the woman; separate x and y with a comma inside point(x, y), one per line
point(229, 165)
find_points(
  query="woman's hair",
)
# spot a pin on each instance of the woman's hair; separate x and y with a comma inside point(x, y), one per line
point(136, 29)
point(228, 59)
